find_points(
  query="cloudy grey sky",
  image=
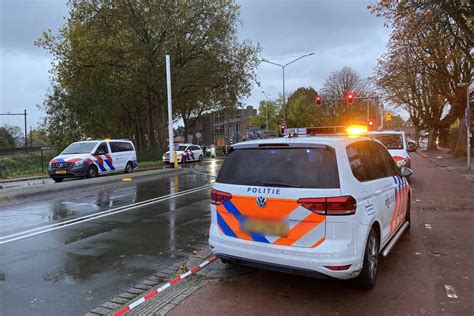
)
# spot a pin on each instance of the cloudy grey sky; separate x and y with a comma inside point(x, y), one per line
point(340, 32)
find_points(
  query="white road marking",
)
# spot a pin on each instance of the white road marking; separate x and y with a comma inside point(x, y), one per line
point(86, 218)
point(207, 174)
point(450, 291)
point(428, 226)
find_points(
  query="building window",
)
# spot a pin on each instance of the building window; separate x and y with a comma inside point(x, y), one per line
point(219, 129)
point(218, 117)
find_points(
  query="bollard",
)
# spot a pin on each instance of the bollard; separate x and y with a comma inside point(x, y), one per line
point(175, 159)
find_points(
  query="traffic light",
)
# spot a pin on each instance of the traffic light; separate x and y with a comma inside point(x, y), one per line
point(371, 125)
point(282, 129)
point(317, 100)
point(350, 98)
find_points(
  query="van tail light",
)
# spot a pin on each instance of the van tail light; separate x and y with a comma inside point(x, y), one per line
point(400, 161)
point(315, 205)
point(333, 206)
point(219, 197)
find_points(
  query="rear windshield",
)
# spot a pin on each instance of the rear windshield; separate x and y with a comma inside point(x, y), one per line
point(391, 141)
point(281, 167)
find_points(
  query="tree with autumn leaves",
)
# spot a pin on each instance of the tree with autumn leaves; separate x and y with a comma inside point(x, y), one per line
point(428, 55)
point(109, 68)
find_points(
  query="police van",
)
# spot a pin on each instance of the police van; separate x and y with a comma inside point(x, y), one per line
point(312, 204)
point(397, 144)
point(87, 159)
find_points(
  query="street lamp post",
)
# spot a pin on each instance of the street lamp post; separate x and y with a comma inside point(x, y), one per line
point(266, 110)
point(468, 123)
point(283, 72)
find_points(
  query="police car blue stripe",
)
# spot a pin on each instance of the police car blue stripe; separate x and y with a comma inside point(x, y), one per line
point(111, 166)
point(223, 225)
point(101, 166)
point(230, 207)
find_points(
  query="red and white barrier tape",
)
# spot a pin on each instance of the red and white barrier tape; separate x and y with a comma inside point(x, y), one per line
point(149, 295)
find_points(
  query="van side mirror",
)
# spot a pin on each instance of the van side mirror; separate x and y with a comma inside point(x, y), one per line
point(405, 172)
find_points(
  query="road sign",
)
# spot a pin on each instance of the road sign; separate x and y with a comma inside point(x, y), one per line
point(388, 116)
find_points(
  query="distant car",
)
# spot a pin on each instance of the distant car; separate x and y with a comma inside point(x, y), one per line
point(318, 205)
point(87, 159)
point(186, 153)
point(397, 144)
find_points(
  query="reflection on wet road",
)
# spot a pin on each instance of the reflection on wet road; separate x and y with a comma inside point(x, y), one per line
point(77, 267)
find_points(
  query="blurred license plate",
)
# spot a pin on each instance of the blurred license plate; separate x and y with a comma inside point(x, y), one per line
point(61, 171)
point(267, 228)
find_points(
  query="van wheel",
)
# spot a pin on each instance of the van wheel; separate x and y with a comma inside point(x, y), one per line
point(91, 172)
point(58, 180)
point(183, 160)
point(368, 276)
point(128, 167)
point(201, 158)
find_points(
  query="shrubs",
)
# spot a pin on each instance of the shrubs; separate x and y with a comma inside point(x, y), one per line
point(24, 164)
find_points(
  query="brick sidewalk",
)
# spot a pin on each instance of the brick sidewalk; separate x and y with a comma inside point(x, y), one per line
point(443, 157)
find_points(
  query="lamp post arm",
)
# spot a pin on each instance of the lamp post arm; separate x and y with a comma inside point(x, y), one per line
point(297, 59)
point(270, 62)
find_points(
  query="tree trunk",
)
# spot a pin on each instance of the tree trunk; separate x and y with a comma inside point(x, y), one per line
point(444, 137)
point(462, 139)
point(433, 135)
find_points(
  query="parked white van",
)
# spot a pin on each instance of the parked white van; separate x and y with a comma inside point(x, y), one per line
point(87, 159)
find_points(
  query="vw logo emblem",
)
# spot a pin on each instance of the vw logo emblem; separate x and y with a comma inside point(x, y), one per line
point(61, 165)
point(261, 201)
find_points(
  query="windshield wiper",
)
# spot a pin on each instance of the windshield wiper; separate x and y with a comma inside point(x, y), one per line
point(280, 184)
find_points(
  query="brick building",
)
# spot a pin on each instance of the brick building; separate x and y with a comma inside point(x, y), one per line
point(223, 127)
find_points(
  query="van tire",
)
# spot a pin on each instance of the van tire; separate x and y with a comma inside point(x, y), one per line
point(183, 160)
point(91, 172)
point(58, 180)
point(368, 275)
point(201, 158)
point(128, 167)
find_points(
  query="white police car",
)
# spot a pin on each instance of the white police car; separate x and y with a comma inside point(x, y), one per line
point(397, 144)
point(186, 153)
point(323, 205)
point(91, 158)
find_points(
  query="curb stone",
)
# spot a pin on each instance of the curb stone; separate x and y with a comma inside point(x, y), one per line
point(167, 300)
point(134, 292)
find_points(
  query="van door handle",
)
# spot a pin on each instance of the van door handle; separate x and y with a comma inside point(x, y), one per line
point(378, 191)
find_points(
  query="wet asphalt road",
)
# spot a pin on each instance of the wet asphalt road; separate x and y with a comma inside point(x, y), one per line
point(52, 270)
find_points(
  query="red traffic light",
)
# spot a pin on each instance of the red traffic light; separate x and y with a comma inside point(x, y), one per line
point(282, 129)
point(317, 100)
point(371, 125)
point(350, 98)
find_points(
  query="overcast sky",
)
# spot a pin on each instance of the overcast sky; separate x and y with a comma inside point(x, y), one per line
point(339, 32)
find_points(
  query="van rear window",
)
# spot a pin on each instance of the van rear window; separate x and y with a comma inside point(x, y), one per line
point(281, 167)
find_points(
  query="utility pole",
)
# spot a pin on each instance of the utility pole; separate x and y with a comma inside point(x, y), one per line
point(26, 134)
point(170, 110)
point(31, 137)
point(26, 130)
